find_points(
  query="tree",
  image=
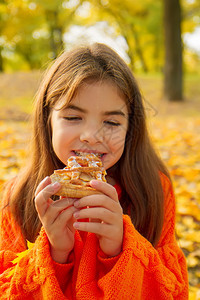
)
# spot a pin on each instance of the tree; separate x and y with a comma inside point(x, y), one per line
point(33, 30)
point(59, 15)
point(173, 81)
point(139, 23)
point(2, 26)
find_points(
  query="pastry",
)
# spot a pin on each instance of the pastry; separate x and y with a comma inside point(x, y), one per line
point(78, 173)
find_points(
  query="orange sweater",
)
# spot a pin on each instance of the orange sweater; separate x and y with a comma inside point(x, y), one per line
point(140, 271)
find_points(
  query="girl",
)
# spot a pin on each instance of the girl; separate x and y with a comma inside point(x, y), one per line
point(88, 102)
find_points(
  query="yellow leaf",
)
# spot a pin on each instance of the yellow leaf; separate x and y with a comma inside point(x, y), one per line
point(194, 293)
point(192, 261)
point(188, 245)
point(20, 256)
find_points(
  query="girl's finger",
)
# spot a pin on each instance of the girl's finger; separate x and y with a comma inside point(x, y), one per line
point(41, 200)
point(63, 202)
point(65, 215)
point(104, 188)
point(100, 213)
point(101, 229)
point(46, 181)
point(98, 201)
point(57, 208)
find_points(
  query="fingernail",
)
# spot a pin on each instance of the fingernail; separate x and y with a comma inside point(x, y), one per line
point(76, 203)
point(76, 225)
point(45, 178)
point(55, 185)
point(94, 183)
point(76, 215)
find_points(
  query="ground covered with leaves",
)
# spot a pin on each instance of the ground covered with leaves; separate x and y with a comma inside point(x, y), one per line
point(178, 144)
point(175, 131)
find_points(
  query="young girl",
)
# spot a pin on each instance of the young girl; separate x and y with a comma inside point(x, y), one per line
point(122, 244)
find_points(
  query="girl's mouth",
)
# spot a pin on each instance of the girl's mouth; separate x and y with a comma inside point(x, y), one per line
point(81, 153)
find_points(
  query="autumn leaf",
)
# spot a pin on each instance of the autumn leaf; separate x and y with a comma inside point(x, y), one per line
point(20, 256)
point(178, 143)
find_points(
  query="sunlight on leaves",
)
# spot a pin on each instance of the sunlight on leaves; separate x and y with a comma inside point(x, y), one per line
point(178, 143)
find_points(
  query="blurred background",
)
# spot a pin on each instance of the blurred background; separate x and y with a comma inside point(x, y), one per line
point(159, 40)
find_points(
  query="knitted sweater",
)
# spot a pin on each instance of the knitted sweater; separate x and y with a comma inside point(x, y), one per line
point(140, 271)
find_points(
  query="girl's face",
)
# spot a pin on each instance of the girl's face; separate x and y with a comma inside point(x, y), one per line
point(95, 121)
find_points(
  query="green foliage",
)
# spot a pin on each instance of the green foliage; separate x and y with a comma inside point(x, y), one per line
point(139, 23)
point(32, 31)
point(190, 15)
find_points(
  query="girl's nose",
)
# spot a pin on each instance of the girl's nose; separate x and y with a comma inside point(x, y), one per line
point(91, 135)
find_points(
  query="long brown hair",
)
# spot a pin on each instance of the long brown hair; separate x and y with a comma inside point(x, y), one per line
point(138, 169)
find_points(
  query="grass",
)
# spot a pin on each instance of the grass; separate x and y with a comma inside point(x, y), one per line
point(17, 92)
point(152, 89)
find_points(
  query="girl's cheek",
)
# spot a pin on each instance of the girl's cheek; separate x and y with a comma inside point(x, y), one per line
point(117, 143)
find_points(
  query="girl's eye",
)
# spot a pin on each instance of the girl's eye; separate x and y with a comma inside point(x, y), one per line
point(112, 123)
point(72, 118)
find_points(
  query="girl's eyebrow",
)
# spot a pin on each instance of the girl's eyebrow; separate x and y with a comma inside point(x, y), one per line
point(115, 112)
point(106, 113)
point(74, 107)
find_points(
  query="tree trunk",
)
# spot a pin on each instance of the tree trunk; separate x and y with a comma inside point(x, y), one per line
point(1, 60)
point(139, 50)
point(56, 37)
point(173, 81)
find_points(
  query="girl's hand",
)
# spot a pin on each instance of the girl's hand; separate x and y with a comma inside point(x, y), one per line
point(106, 217)
point(57, 219)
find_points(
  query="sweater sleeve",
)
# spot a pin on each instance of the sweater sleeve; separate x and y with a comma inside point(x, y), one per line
point(11, 237)
point(34, 275)
point(28, 274)
point(142, 271)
